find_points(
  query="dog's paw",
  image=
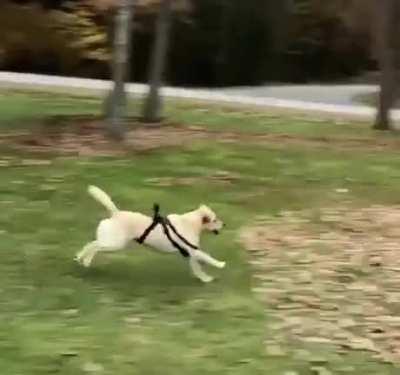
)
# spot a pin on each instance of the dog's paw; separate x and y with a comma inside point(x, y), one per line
point(221, 265)
point(86, 262)
point(207, 279)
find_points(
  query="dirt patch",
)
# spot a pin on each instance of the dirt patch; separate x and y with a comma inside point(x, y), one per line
point(330, 277)
point(219, 177)
point(87, 136)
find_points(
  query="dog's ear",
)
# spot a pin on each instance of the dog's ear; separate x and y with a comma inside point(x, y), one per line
point(205, 219)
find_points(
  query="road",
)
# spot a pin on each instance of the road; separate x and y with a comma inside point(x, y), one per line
point(327, 94)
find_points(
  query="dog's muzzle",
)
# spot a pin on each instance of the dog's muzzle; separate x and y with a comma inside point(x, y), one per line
point(215, 231)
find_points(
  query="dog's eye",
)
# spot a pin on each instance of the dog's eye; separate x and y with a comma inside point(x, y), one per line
point(206, 219)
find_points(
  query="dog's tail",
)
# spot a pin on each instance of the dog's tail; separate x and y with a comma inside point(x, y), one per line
point(101, 197)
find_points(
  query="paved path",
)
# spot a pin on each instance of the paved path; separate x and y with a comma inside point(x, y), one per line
point(328, 94)
point(307, 99)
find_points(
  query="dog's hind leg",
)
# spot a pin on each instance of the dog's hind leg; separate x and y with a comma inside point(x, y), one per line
point(205, 258)
point(198, 272)
point(87, 261)
point(86, 255)
point(79, 256)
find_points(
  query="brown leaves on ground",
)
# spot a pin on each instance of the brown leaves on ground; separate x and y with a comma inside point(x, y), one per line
point(219, 177)
point(87, 136)
point(331, 277)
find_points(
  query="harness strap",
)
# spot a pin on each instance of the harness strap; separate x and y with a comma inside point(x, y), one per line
point(180, 248)
point(183, 239)
point(156, 220)
point(166, 224)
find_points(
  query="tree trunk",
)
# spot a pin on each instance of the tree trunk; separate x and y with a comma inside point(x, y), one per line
point(386, 40)
point(153, 104)
point(117, 101)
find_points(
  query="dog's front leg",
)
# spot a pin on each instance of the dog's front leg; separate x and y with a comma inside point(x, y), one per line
point(206, 258)
point(197, 270)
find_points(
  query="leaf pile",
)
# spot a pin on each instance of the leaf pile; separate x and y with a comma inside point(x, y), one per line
point(331, 277)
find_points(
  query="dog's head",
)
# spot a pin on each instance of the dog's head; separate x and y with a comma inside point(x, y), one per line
point(209, 220)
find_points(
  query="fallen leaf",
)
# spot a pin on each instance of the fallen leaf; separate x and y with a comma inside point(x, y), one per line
point(275, 351)
point(317, 370)
point(92, 367)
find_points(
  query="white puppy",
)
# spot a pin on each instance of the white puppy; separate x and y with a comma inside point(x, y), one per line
point(175, 233)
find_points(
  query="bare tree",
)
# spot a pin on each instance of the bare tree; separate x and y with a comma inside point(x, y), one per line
point(388, 12)
point(153, 104)
point(117, 101)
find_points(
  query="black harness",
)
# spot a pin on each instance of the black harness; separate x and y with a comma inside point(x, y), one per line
point(166, 226)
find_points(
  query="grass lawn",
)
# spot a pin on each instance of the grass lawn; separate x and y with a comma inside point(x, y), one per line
point(138, 312)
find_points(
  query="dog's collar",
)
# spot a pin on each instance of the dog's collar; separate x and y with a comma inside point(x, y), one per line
point(166, 225)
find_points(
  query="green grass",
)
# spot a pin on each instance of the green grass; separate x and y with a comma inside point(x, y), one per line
point(138, 312)
point(20, 106)
point(20, 109)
